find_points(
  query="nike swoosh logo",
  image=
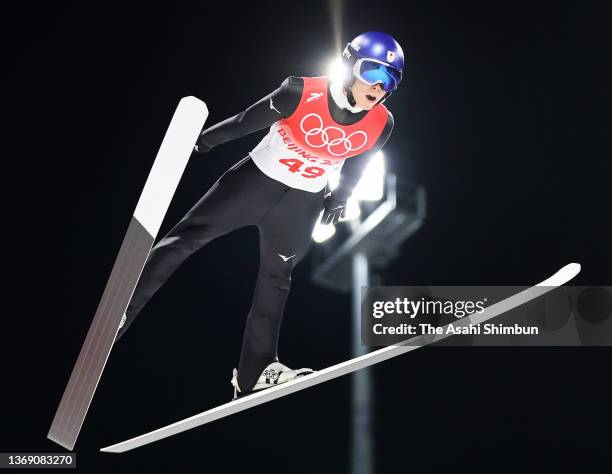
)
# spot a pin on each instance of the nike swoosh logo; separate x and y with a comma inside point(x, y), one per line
point(339, 207)
point(285, 258)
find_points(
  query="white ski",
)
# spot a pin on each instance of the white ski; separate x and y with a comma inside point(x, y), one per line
point(172, 157)
point(560, 278)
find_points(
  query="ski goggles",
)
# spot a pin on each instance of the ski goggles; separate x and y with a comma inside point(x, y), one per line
point(373, 72)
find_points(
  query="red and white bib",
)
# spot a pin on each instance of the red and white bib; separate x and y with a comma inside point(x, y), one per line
point(302, 150)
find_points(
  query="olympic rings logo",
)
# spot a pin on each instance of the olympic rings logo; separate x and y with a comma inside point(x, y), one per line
point(338, 144)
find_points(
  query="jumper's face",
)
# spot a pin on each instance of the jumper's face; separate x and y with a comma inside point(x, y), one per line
point(367, 96)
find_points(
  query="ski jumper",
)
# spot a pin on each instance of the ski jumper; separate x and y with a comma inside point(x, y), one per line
point(279, 187)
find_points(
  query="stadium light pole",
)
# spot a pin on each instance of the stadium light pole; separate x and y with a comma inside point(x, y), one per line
point(350, 263)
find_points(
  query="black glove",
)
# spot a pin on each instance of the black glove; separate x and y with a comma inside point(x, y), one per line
point(333, 210)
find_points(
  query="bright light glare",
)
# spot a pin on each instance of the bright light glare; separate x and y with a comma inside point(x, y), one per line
point(353, 211)
point(372, 183)
point(322, 232)
point(371, 186)
point(336, 69)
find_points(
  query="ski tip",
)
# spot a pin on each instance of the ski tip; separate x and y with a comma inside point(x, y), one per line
point(573, 268)
point(564, 275)
point(195, 103)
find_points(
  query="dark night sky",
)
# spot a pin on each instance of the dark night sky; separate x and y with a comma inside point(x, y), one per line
point(504, 116)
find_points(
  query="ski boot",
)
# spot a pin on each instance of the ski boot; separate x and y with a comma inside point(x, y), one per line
point(274, 374)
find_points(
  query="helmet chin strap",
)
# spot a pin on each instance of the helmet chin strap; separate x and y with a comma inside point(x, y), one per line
point(348, 89)
point(349, 95)
point(340, 94)
point(384, 97)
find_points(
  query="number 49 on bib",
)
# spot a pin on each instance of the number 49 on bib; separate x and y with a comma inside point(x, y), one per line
point(294, 165)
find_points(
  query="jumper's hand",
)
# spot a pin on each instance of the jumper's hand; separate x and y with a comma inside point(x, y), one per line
point(333, 210)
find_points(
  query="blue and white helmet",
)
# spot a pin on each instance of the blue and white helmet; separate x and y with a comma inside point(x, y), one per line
point(374, 58)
